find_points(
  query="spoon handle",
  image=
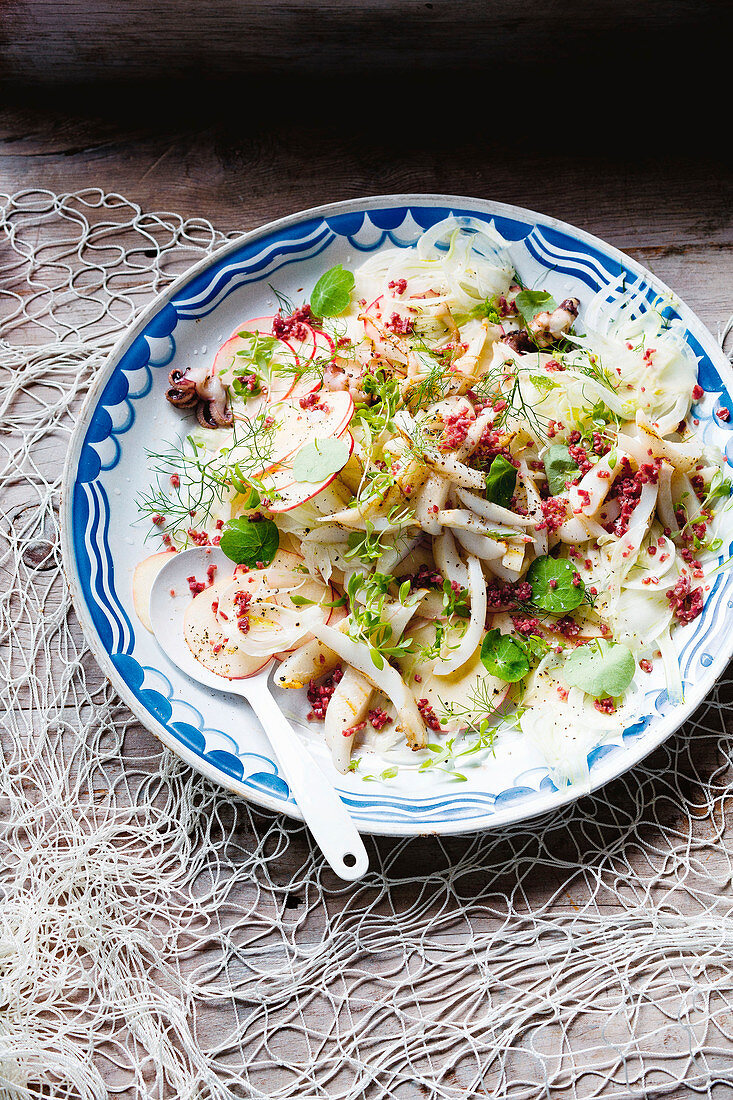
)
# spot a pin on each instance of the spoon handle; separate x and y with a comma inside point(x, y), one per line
point(323, 811)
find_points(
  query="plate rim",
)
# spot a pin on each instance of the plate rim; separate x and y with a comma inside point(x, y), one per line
point(512, 813)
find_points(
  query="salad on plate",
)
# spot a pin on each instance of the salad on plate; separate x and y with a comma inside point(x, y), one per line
point(454, 507)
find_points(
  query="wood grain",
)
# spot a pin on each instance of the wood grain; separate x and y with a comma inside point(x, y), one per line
point(672, 212)
point(61, 40)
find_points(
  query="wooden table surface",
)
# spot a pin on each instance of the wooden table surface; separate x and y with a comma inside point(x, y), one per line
point(665, 203)
point(172, 149)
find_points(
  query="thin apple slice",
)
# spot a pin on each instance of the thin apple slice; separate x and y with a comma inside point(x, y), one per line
point(296, 426)
point(305, 385)
point(323, 344)
point(289, 493)
point(142, 582)
point(265, 625)
point(263, 325)
point(278, 384)
point(209, 644)
point(285, 572)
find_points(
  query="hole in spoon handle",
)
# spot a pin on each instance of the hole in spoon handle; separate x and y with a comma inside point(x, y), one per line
point(354, 862)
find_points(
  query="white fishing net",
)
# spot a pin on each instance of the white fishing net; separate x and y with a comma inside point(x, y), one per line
point(159, 938)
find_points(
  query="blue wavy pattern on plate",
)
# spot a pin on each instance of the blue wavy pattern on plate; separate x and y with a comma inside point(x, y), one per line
point(132, 380)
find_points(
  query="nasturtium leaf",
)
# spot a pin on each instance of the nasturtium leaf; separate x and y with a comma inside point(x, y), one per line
point(319, 459)
point(250, 542)
point(556, 585)
point(559, 467)
point(531, 302)
point(501, 481)
point(332, 293)
point(502, 656)
point(600, 668)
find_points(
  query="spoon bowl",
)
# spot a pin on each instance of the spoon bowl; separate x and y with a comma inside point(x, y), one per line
point(323, 811)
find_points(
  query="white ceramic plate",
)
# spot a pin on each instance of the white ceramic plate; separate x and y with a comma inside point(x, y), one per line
point(125, 415)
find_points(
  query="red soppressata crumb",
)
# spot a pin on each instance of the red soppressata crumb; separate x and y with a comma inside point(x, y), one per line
point(428, 715)
point(455, 430)
point(686, 602)
point(293, 324)
point(627, 491)
point(424, 578)
point(379, 718)
point(506, 597)
point(195, 586)
point(398, 285)
point(199, 538)
point(554, 511)
point(579, 456)
point(351, 730)
point(401, 326)
point(526, 626)
point(605, 706)
point(567, 626)
point(242, 600)
point(697, 393)
point(645, 665)
point(319, 695)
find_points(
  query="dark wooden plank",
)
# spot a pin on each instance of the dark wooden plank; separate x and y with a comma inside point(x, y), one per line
point(56, 40)
point(673, 212)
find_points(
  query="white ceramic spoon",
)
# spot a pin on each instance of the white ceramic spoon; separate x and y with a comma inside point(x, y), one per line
point(323, 811)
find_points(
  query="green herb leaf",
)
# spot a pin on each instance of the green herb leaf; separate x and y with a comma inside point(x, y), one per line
point(253, 499)
point(301, 601)
point(486, 309)
point(559, 467)
point(455, 602)
point(719, 486)
point(377, 658)
point(600, 668)
point(365, 545)
point(248, 542)
point(260, 349)
point(332, 293)
point(542, 382)
point(501, 482)
point(531, 302)
point(318, 460)
point(553, 587)
point(341, 602)
point(503, 657)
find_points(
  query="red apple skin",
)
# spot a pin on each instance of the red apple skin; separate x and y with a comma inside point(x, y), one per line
point(305, 490)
